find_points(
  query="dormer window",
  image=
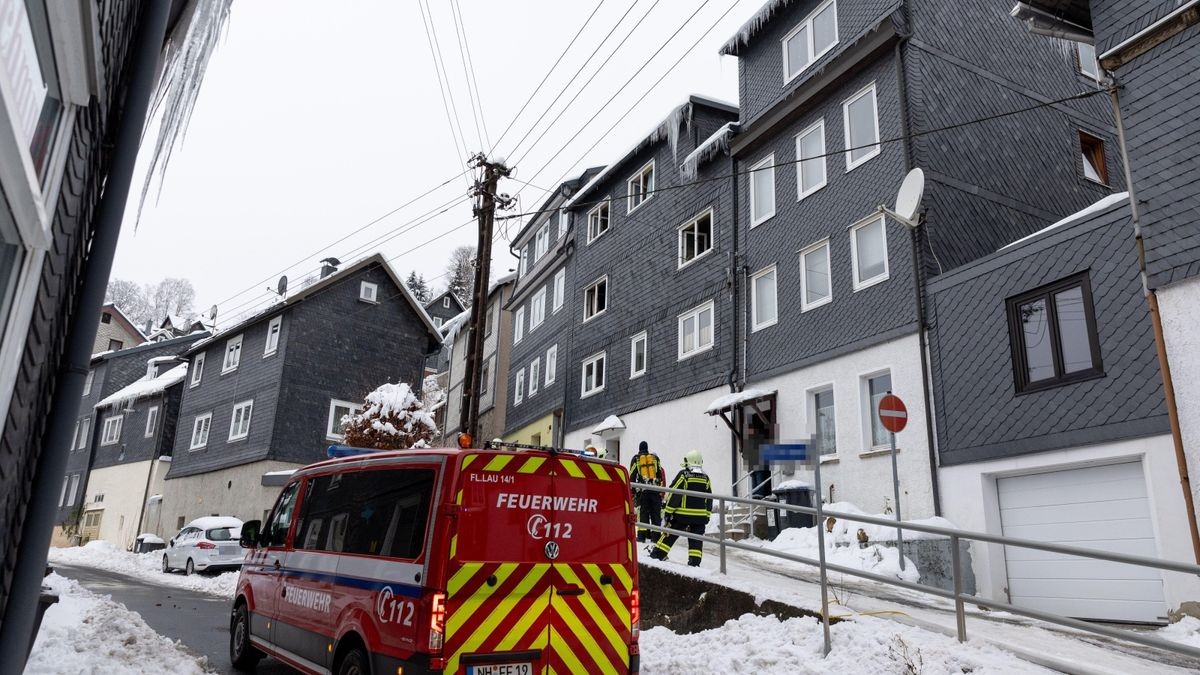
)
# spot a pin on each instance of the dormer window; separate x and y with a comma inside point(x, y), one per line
point(809, 41)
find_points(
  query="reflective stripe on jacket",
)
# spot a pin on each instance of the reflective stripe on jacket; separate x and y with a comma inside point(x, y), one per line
point(690, 507)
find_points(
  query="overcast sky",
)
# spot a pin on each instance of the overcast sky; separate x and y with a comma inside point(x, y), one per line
point(313, 122)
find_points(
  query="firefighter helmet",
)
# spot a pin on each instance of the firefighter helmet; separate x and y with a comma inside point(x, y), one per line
point(693, 459)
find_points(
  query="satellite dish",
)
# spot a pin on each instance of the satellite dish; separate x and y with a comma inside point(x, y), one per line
point(281, 287)
point(212, 313)
point(908, 200)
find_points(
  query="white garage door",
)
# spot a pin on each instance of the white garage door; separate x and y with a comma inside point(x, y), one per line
point(1100, 507)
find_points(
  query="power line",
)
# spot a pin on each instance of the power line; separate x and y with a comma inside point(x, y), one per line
point(464, 50)
point(570, 43)
point(895, 139)
point(614, 96)
point(577, 72)
point(452, 121)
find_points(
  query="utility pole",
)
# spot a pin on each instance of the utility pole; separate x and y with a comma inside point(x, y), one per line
point(486, 203)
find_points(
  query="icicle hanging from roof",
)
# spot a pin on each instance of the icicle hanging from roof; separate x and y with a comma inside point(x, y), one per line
point(709, 148)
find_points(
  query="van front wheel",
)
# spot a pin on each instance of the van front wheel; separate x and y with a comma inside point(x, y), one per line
point(355, 663)
point(242, 654)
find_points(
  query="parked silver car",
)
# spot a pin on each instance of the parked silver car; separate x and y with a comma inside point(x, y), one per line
point(209, 543)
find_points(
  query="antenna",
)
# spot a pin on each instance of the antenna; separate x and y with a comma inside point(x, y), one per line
point(908, 199)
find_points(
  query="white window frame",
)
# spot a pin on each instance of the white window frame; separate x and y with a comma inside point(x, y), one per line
point(446, 302)
point(85, 431)
point(879, 278)
point(867, 410)
point(757, 171)
point(1086, 53)
point(642, 339)
point(602, 359)
point(551, 364)
point(541, 245)
point(811, 406)
point(560, 288)
point(594, 233)
point(519, 325)
point(712, 236)
point(524, 265)
point(587, 306)
point(788, 75)
point(110, 433)
point(334, 404)
point(228, 365)
point(87, 382)
point(564, 222)
point(805, 305)
point(485, 376)
point(869, 89)
point(234, 433)
point(196, 424)
point(274, 330)
point(537, 309)
point(519, 388)
point(197, 371)
point(535, 374)
point(74, 491)
point(62, 496)
point(151, 421)
point(437, 322)
point(695, 313)
point(368, 292)
point(755, 324)
point(643, 193)
point(801, 193)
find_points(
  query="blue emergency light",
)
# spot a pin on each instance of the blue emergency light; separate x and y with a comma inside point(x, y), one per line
point(336, 451)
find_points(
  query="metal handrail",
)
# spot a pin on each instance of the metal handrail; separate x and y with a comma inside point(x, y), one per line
point(955, 535)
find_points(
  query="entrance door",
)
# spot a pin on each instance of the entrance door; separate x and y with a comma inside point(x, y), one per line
point(1098, 507)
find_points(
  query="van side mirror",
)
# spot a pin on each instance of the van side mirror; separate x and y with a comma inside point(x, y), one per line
point(250, 534)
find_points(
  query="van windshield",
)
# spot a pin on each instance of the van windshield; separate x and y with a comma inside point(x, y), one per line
point(510, 515)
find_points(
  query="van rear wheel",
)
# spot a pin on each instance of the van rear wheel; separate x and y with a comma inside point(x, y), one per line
point(355, 663)
point(242, 654)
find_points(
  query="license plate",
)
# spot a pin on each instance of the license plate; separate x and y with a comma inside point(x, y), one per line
point(228, 550)
point(501, 669)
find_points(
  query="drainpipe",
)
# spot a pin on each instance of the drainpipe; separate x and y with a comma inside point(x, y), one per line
point(918, 272)
point(737, 376)
point(1160, 345)
point(30, 565)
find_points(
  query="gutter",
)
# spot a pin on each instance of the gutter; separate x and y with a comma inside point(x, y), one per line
point(16, 632)
point(1151, 36)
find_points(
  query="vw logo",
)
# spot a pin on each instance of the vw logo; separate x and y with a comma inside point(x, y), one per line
point(551, 550)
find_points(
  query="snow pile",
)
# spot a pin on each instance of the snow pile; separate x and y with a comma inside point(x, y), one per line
point(432, 394)
point(610, 423)
point(147, 386)
point(730, 400)
point(1102, 205)
point(711, 147)
point(845, 531)
point(754, 644)
point(151, 538)
point(393, 418)
point(214, 522)
point(89, 633)
point(145, 566)
point(793, 484)
point(1185, 631)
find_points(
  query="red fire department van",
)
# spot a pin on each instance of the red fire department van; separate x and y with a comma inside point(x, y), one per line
point(484, 562)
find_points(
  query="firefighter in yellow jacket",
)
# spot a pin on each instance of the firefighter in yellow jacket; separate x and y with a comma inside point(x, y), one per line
point(687, 512)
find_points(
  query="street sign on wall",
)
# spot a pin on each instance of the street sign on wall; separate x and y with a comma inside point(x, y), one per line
point(892, 413)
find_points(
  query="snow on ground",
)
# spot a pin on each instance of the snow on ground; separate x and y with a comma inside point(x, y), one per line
point(755, 644)
point(1185, 631)
point(86, 633)
point(147, 566)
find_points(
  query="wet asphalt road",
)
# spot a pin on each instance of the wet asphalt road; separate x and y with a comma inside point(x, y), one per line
point(199, 620)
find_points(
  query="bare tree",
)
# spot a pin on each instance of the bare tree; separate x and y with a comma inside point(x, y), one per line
point(172, 296)
point(130, 298)
point(461, 270)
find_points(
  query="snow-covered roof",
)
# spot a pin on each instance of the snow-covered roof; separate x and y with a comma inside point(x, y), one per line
point(1102, 205)
point(753, 25)
point(738, 397)
point(147, 386)
point(129, 324)
point(668, 128)
point(451, 328)
point(309, 290)
point(711, 147)
point(610, 423)
point(211, 522)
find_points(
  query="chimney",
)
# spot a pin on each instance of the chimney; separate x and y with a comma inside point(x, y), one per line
point(329, 266)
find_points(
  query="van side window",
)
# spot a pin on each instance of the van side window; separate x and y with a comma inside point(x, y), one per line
point(381, 513)
point(281, 518)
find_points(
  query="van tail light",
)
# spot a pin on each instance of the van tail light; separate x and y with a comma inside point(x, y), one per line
point(206, 545)
point(437, 622)
point(635, 614)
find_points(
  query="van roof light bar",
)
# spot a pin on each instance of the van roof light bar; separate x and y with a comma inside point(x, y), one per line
point(336, 451)
point(504, 445)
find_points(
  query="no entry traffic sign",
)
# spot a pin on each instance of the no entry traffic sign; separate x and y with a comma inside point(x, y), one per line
point(892, 413)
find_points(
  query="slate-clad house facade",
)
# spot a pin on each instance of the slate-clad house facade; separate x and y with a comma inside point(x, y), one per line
point(497, 341)
point(842, 98)
point(110, 373)
point(1051, 420)
point(541, 308)
point(444, 307)
point(268, 393)
point(661, 346)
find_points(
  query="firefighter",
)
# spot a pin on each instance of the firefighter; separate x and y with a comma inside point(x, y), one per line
point(687, 512)
point(646, 469)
